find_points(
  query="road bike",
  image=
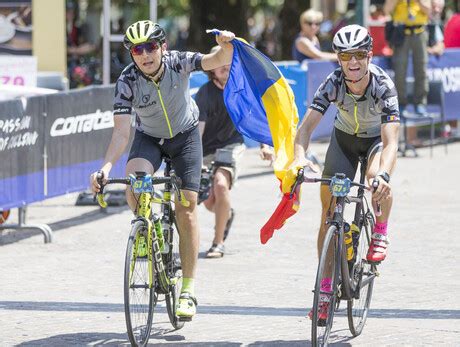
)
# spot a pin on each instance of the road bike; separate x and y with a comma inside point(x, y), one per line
point(152, 262)
point(343, 256)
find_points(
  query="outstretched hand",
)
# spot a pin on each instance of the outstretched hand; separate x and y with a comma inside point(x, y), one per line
point(266, 153)
point(224, 36)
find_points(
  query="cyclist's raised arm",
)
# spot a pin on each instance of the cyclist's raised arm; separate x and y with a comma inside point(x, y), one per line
point(222, 56)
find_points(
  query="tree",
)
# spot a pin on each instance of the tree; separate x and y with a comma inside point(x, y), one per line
point(289, 16)
point(208, 14)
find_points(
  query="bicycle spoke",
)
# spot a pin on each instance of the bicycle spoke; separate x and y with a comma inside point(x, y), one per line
point(363, 275)
point(139, 294)
point(175, 273)
point(324, 305)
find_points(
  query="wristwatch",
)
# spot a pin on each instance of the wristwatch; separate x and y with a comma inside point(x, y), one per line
point(384, 175)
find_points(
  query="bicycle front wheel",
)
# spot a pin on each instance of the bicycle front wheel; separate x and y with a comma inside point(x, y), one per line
point(362, 276)
point(174, 270)
point(323, 312)
point(139, 292)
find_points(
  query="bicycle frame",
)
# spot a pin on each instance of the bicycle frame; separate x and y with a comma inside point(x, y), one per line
point(143, 185)
point(341, 197)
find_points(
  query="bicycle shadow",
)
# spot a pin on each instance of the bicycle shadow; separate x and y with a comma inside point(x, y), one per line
point(159, 338)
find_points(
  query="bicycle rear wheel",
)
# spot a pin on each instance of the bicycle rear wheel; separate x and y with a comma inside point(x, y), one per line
point(362, 277)
point(174, 270)
point(320, 327)
point(139, 296)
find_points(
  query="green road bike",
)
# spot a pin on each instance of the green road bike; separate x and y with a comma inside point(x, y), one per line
point(152, 262)
point(343, 257)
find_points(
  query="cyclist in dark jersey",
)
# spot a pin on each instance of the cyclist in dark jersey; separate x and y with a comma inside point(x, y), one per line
point(367, 123)
point(155, 87)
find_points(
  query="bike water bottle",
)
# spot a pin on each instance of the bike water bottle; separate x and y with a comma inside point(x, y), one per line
point(158, 231)
point(354, 235)
point(348, 241)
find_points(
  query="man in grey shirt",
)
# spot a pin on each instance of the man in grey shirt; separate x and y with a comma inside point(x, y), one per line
point(156, 88)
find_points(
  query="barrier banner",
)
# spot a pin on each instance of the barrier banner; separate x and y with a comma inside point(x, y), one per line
point(21, 151)
point(78, 130)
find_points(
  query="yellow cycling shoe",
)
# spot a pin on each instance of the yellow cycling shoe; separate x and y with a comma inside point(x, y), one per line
point(186, 307)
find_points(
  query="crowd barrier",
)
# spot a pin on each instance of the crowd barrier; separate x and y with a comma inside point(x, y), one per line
point(49, 144)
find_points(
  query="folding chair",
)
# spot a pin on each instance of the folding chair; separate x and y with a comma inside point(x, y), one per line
point(435, 98)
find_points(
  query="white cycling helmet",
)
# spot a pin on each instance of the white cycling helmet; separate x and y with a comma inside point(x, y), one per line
point(352, 37)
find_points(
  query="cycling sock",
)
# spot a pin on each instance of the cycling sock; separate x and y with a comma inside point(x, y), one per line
point(381, 228)
point(326, 284)
point(188, 286)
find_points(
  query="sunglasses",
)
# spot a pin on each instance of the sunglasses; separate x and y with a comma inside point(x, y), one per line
point(312, 23)
point(359, 55)
point(149, 47)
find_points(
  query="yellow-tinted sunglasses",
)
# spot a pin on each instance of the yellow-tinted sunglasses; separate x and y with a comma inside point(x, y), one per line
point(359, 55)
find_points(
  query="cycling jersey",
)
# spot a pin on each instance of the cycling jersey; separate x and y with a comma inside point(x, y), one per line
point(361, 116)
point(162, 109)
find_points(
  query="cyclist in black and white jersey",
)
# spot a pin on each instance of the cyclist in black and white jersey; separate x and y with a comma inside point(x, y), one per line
point(367, 123)
point(155, 87)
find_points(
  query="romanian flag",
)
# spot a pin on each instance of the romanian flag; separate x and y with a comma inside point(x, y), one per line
point(261, 104)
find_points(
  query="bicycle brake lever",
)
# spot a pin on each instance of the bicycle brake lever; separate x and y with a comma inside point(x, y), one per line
point(100, 196)
point(298, 180)
point(378, 209)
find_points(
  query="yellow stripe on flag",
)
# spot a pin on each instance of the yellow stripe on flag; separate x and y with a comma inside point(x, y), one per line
point(282, 118)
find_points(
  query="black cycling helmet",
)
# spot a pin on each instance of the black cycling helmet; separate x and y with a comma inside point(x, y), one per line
point(143, 31)
point(352, 37)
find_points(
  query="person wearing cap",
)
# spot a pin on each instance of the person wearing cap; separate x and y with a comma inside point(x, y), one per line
point(366, 124)
point(155, 87)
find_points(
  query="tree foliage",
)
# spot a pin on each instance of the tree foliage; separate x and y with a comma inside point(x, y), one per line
point(289, 18)
point(208, 14)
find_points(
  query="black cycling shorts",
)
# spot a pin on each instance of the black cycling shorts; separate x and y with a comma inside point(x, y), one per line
point(344, 150)
point(184, 150)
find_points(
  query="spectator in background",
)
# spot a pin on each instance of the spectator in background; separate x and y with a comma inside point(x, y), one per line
point(81, 68)
point(452, 32)
point(435, 35)
point(410, 18)
point(268, 43)
point(306, 44)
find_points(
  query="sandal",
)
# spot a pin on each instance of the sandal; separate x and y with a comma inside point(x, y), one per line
point(216, 251)
point(229, 223)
